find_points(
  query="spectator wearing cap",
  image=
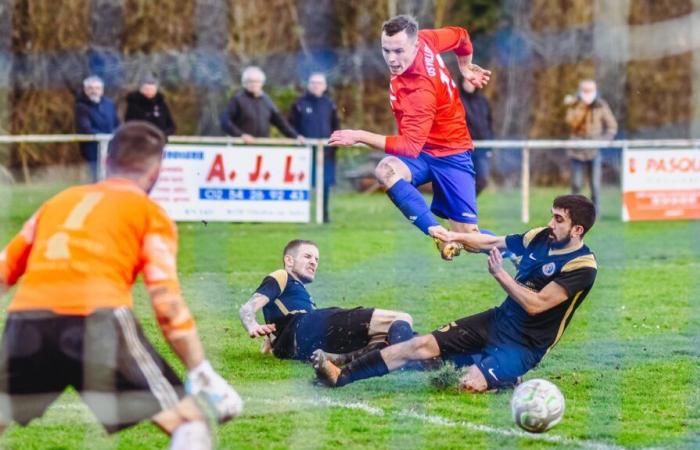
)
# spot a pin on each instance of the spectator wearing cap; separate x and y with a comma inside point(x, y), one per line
point(148, 104)
point(251, 111)
point(94, 114)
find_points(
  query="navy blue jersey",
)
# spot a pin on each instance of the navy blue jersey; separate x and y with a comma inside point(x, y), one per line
point(573, 269)
point(287, 296)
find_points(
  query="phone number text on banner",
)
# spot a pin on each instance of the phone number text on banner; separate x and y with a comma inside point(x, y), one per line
point(235, 183)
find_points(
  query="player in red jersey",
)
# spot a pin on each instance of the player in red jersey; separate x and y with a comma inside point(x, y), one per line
point(433, 142)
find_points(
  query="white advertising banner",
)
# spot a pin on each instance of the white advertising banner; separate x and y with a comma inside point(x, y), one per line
point(661, 184)
point(235, 183)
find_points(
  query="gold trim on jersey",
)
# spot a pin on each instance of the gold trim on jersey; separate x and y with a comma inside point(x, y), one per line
point(564, 251)
point(530, 235)
point(281, 276)
point(281, 306)
point(287, 312)
point(568, 312)
point(580, 263)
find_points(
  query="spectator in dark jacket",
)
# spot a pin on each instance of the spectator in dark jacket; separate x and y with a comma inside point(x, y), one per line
point(480, 125)
point(94, 114)
point(250, 112)
point(315, 115)
point(148, 104)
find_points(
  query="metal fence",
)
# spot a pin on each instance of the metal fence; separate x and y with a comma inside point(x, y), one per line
point(524, 145)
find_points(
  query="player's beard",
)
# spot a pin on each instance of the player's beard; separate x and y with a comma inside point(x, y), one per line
point(559, 243)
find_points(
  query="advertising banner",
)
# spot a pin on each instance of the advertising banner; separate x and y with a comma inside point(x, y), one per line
point(235, 183)
point(661, 184)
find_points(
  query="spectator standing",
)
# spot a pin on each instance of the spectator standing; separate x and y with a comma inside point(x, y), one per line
point(94, 114)
point(588, 117)
point(251, 111)
point(480, 124)
point(148, 104)
point(315, 115)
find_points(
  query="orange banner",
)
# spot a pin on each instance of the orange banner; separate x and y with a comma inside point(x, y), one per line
point(662, 205)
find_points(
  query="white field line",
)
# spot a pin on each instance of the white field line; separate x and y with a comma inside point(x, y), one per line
point(442, 421)
point(327, 402)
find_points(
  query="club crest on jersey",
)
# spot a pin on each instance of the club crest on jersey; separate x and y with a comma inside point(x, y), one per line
point(548, 269)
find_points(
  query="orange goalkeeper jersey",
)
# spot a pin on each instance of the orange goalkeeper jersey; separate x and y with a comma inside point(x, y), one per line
point(83, 249)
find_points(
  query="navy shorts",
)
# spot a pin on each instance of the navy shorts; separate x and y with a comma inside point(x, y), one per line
point(333, 330)
point(474, 340)
point(454, 189)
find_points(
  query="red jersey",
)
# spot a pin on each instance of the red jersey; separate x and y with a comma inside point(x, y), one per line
point(425, 99)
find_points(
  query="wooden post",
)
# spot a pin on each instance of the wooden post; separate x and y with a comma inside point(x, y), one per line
point(318, 148)
point(525, 185)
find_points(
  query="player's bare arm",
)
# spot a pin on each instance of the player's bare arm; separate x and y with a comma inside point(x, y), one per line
point(476, 75)
point(177, 325)
point(352, 137)
point(247, 314)
point(532, 302)
point(475, 242)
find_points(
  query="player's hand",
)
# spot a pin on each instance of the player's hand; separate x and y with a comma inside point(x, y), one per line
point(476, 75)
point(301, 140)
point(438, 231)
point(451, 236)
point(495, 261)
point(248, 138)
point(214, 394)
point(343, 137)
point(261, 330)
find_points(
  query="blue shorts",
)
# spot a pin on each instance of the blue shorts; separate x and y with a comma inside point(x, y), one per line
point(454, 189)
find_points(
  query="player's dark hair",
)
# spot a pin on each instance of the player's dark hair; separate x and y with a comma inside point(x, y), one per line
point(580, 209)
point(397, 24)
point(134, 145)
point(293, 246)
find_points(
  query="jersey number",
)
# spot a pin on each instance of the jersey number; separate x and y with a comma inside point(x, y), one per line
point(57, 245)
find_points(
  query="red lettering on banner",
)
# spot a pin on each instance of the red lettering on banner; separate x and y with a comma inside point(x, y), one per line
point(683, 165)
point(217, 169)
point(254, 176)
point(633, 165)
point(288, 175)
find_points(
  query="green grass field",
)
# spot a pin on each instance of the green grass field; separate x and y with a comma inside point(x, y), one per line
point(627, 365)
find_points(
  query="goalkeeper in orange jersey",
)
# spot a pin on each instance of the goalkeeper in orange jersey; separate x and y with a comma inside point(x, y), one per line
point(70, 322)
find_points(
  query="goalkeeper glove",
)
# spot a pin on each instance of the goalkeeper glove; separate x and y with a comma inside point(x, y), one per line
point(213, 393)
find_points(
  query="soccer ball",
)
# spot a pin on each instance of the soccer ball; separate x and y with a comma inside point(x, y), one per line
point(537, 405)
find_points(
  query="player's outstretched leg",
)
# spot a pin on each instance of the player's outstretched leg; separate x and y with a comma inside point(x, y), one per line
point(396, 176)
point(341, 359)
point(376, 363)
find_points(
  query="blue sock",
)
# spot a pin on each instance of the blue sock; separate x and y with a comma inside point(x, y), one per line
point(399, 331)
point(411, 203)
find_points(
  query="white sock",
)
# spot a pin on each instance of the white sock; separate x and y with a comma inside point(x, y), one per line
point(193, 435)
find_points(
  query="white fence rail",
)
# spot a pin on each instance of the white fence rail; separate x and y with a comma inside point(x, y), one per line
point(524, 145)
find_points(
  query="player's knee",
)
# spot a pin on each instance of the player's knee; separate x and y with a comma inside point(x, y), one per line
point(474, 381)
point(387, 171)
